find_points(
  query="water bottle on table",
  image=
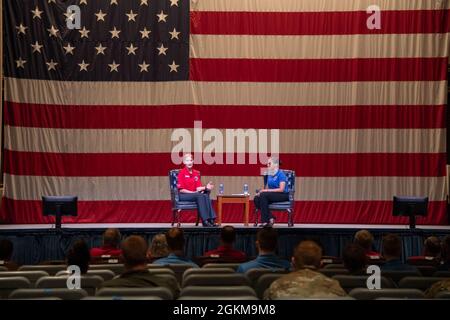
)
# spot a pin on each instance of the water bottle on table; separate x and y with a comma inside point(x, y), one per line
point(246, 190)
point(221, 189)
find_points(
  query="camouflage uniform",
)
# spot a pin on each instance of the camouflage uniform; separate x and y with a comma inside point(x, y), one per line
point(437, 287)
point(304, 283)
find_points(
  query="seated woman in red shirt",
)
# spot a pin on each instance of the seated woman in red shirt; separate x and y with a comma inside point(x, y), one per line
point(191, 189)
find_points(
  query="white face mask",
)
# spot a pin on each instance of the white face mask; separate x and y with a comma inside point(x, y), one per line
point(272, 168)
point(188, 162)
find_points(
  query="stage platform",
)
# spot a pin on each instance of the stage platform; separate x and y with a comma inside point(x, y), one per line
point(41, 242)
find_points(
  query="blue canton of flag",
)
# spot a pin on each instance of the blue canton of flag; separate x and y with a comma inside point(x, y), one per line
point(118, 40)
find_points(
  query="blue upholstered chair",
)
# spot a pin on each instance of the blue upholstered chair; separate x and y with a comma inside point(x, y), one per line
point(178, 205)
point(287, 206)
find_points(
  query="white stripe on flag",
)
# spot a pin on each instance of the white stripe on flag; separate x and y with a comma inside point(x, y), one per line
point(159, 140)
point(226, 93)
point(157, 188)
point(319, 47)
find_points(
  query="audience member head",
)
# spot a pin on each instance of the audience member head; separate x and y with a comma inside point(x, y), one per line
point(446, 249)
point(111, 238)
point(364, 239)
point(227, 235)
point(79, 255)
point(175, 240)
point(307, 254)
point(134, 252)
point(266, 240)
point(392, 246)
point(432, 247)
point(159, 247)
point(354, 258)
point(6, 249)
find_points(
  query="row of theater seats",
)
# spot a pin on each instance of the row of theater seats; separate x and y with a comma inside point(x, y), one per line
point(427, 271)
point(225, 293)
point(213, 281)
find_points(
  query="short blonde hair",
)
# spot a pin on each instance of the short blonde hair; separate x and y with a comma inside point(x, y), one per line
point(187, 155)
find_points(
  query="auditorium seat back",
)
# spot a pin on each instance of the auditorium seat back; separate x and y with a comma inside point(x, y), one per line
point(332, 272)
point(50, 268)
point(161, 270)
point(220, 291)
point(62, 293)
point(264, 282)
point(118, 268)
point(368, 294)
point(122, 298)
point(442, 274)
point(422, 283)
point(88, 283)
point(218, 298)
point(32, 276)
point(254, 274)
point(179, 270)
point(224, 279)
point(426, 271)
point(334, 266)
point(396, 276)
point(443, 295)
point(8, 285)
point(118, 293)
point(209, 271)
point(233, 266)
point(349, 282)
point(104, 274)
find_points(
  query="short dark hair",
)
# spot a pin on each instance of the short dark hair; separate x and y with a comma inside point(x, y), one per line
point(392, 245)
point(267, 238)
point(432, 246)
point(228, 235)
point(354, 258)
point(175, 239)
point(134, 251)
point(111, 238)
point(79, 255)
point(6, 249)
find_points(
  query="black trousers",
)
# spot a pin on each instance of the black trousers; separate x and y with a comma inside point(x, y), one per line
point(204, 204)
point(264, 199)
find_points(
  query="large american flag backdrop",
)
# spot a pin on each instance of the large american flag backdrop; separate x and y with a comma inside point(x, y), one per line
point(90, 111)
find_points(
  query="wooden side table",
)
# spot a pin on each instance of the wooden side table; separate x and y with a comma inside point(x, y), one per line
point(244, 199)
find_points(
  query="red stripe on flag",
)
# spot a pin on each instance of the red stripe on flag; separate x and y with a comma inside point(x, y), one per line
point(232, 117)
point(317, 23)
point(352, 212)
point(319, 70)
point(306, 165)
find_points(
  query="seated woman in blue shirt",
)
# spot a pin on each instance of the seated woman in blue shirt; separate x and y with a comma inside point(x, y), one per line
point(276, 191)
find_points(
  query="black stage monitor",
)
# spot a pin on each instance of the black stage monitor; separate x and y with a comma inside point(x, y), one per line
point(59, 206)
point(411, 207)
